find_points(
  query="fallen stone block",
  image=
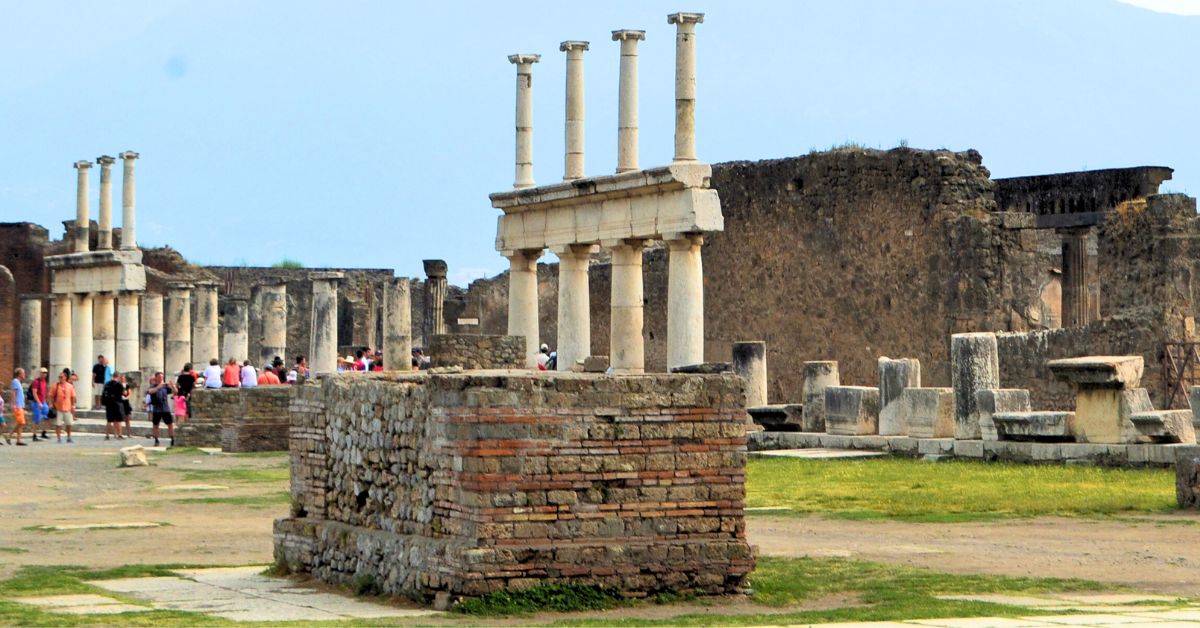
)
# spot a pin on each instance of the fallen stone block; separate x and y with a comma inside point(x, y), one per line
point(1164, 426)
point(989, 402)
point(930, 412)
point(704, 368)
point(134, 456)
point(787, 417)
point(1033, 426)
point(851, 410)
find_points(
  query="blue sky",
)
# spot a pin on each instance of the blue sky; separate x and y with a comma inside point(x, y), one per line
point(369, 134)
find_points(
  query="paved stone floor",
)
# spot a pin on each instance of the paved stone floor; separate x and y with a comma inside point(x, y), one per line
point(817, 453)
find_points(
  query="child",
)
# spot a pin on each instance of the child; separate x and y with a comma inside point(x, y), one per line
point(1, 416)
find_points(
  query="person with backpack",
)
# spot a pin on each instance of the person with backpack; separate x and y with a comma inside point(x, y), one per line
point(112, 397)
point(160, 406)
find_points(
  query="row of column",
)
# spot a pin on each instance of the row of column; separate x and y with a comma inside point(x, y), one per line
point(104, 223)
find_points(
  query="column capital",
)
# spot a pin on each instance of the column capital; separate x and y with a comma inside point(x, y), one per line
point(568, 46)
point(575, 249)
point(628, 34)
point(675, 240)
point(523, 253)
point(106, 160)
point(180, 285)
point(524, 58)
point(625, 242)
point(685, 18)
point(82, 165)
point(34, 297)
point(128, 155)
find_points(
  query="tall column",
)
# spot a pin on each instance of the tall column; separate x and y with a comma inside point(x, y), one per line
point(274, 322)
point(574, 304)
point(178, 327)
point(573, 159)
point(323, 354)
point(82, 357)
point(31, 334)
point(127, 354)
point(61, 329)
point(524, 63)
point(104, 330)
point(685, 83)
point(397, 324)
point(435, 297)
point(236, 328)
point(104, 230)
point(626, 347)
point(1075, 306)
point(750, 362)
point(150, 355)
point(82, 220)
point(685, 300)
point(128, 218)
point(204, 326)
point(627, 100)
point(523, 300)
point(974, 366)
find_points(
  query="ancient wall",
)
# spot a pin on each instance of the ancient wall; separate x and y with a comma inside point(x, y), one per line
point(478, 352)
point(441, 486)
point(238, 419)
point(1078, 192)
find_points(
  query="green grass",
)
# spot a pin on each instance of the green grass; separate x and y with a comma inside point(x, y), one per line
point(906, 489)
point(5, 549)
point(280, 474)
point(253, 501)
point(547, 597)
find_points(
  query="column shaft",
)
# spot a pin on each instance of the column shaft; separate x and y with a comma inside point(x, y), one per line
point(82, 219)
point(573, 159)
point(323, 355)
point(205, 345)
point(524, 117)
point(626, 346)
point(435, 297)
point(104, 228)
point(127, 354)
point(274, 322)
point(82, 357)
point(1075, 303)
point(397, 324)
point(523, 301)
point(750, 361)
point(104, 330)
point(236, 328)
point(128, 216)
point(61, 329)
point(685, 301)
point(178, 327)
point(574, 305)
point(150, 355)
point(31, 335)
point(685, 84)
point(627, 103)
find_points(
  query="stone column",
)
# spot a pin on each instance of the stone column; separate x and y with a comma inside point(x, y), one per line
point(128, 218)
point(974, 366)
point(573, 160)
point(127, 355)
point(397, 324)
point(523, 300)
point(894, 377)
point(817, 377)
point(750, 361)
point(574, 304)
point(626, 346)
point(685, 300)
point(150, 356)
point(274, 322)
point(61, 328)
point(685, 84)
point(82, 357)
point(435, 297)
point(323, 354)
point(1075, 310)
point(104, 230)
point(236, 324)
point(178, 327)
point(31, 334)
point(82, 220)
point(104, 330)
point(627, 100)
point(524, 63)
point(205, 342)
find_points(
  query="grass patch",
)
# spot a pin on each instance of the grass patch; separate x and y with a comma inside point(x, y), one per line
point(547, 597)
point(906, 489)
point(279, 474)
point(253, 501)
point(4, 549)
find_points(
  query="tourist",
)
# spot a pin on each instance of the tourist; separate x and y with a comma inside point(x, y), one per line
point(268, 377)
point(420, 361)
point(249, 375)
point(62, 404)
point(543, 357)
point(278, 366)
point(299, 373)
point(2, 421)
point(377, 367)
point(184, 385)
point(212, 374)
point(18, 407)
point(37, 402)
point(232, 375)
point(101, 375)
point(160, 406)
point(125, 401)
point(112, 396)
point(344, 364)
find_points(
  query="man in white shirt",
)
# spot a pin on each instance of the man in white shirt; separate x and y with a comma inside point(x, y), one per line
point(212, 374)
point(249, 375)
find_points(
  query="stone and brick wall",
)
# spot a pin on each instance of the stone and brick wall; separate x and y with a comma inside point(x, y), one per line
point(452, 485)
point(1187, 477)
point(477, 352)
point(239, 419)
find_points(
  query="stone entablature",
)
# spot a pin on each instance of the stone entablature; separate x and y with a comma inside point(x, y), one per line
point(112, 270)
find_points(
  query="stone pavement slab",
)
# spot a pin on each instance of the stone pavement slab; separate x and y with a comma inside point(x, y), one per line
point(1182, 614)
point(1112, 598)
point(82, 604)
point(817, 453)
point(1012, 600)
point(1107, 619)
point(980, 622)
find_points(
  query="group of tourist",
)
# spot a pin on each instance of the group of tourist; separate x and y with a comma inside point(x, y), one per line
point(44, 402)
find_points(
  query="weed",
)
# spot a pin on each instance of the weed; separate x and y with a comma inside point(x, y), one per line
point(560, 597)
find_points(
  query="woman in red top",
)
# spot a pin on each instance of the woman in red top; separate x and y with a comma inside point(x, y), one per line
point(232, 376)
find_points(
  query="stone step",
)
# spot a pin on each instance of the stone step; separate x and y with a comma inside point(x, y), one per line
point(1033, 425)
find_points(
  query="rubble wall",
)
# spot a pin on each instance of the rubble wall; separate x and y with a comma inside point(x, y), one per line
point(238, 419)
point(478, 352)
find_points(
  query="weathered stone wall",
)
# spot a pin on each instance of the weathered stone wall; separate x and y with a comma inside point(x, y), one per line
point(239, 419)
point(478, 352)
point(1187, 477)
point(460, 484)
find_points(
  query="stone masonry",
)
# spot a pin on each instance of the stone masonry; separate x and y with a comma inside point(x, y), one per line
point(441, 486)
point(477, 352)
point(238, 419)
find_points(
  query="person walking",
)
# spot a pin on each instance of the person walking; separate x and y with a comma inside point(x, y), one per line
point(113, 398)
point(18, 407)
point(62, 403)
point(160, 406)
point(38, 401)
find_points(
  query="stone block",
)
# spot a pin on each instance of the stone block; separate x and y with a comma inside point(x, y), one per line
point(817, 377)
point(851, 410)
point(902, 444)
point(930, 412)
point(974, 366)
point(779, 417)
point(832, 441)
point(989, 402)
point(1187, 475)
point(894, 377)
point(1033, 425)
point(935, 446)
point(1164, 426)
point(1194, 398)
point(134, 456)
point(968, 449)
point(1109, 371)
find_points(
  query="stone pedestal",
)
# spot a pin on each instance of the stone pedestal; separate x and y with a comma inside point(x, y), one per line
point(323, 355)
point(178, 327)
point(626, 345)
point(151, 336)
point(30, 339)
point(397, 324)
point(236, 330)
point(435, 296)
point(82, 356)
point(894, 377)
point(128, 342)
point(817, 377)
point(928, 412)
point(974, 366)
point(104, 330)
point(574, 305)
point(1076, 310)
point(205, 345)
point(523, 301)
point(685, 300)
point(61, 328)
point(851, 410)
point(274, 309)
point(750, 362)
point(1106, 396)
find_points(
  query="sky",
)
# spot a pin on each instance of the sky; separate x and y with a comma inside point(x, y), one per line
point(369, 133)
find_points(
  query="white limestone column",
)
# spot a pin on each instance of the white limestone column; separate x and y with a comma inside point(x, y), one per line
point(31, 334)
point(150, 354)
point(574, 304)
point(82, 357)
point(235, 342)
point(128, 342)
point(177, 329)
point(397, 324)
point(626, 346)
point(104, 228)
point(205, 345)
point(524, 63)
point(128, 217)
point(685, 83)
point(435, 297)
point(104, 329)
point(573, 159)
point(523, 300)
point(627, 100)
point(274, 322)
point(322, 358)
point(685, 300)
point(61, 328)
point(82, 220)
point(750, 361)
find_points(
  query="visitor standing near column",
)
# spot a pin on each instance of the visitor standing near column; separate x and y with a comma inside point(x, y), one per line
point(37, 402)
point(184, 385)
point(18, 407)
point(100, 377)
point(543, 357)
point(62, 402)
point(160, 406)
point(212, 374)
point(127, 404)
point(299, 373)
point(112, 396)
point(249, 375)
point(268, 377)
point(231, 377)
